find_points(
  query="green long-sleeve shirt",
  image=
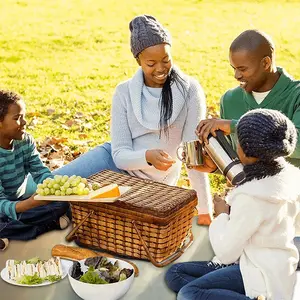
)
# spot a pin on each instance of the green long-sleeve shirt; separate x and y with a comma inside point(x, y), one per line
point(15, 165)
point(284, 96)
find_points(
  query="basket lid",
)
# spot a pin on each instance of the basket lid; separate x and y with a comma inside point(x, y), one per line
point(146, 196)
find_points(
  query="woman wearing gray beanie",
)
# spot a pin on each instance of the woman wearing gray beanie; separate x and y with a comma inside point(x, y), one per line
point(253, 240)
point(152, 114)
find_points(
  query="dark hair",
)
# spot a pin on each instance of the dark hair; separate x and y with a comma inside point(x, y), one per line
point(166, 100)
point(6, 99)
point(254, 41)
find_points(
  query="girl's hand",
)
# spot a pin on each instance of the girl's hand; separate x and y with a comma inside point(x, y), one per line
point(208, 164)
point(220, 206)
point(160, 159)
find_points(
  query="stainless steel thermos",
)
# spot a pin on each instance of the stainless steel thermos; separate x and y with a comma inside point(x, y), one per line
point(226, 159)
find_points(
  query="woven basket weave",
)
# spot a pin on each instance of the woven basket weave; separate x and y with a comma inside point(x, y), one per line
point(151, 221)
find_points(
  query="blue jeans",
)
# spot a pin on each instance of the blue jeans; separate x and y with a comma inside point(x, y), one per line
point(34, 222)
point(206, 281)
point(297, 244)
point(94, 161)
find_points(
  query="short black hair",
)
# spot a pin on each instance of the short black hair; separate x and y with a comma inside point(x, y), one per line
point(6, 99)
point(253, 40)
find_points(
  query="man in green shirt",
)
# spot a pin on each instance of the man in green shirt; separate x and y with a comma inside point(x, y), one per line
point(262, 85)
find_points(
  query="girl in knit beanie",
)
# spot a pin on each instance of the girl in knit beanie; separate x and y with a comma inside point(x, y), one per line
point(255, 256)
point(265, 137)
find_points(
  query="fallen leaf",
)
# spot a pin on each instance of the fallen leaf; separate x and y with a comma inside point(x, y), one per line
point(79, 143)
point(54, 140)
point(88, 125)
point(33, 123)
point(70, 123)
point(50, 111)
point(55, 163)
point(33, 114)
point(55, 155)
point(83, 136)
point(65, 127)
point(77, 121)
point(79, 115)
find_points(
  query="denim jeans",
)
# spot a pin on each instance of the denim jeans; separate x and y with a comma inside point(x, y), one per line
point(206, 281)
point(94, 161)
point(297, 244)
point(34, 222)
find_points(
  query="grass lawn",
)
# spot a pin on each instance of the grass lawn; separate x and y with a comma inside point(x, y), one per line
point(66, 56)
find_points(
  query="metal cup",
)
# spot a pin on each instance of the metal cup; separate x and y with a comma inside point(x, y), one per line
point(193, 153)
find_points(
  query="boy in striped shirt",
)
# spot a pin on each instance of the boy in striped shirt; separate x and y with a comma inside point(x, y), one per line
point(22, 217)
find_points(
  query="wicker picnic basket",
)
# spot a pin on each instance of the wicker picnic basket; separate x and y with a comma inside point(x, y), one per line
point(151, 221)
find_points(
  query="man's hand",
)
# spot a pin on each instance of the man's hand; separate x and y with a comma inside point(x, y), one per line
point(205, 127)
point(208, 164)
point(160, 159)
point(29, 203)
point(220, 206)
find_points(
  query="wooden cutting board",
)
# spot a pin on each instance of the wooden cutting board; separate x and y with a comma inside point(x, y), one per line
point(84, 198)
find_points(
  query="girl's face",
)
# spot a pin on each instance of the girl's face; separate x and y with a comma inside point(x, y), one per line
point(12, 127)
point(245, 160)
point(156, 63)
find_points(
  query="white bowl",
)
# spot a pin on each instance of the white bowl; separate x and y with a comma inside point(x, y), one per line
point(110, 291)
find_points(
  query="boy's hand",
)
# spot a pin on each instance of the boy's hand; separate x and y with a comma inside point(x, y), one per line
point(208, 126)
point(29, 204)
point(160, 159)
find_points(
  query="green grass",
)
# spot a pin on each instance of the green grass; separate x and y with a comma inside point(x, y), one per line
point(70, 54)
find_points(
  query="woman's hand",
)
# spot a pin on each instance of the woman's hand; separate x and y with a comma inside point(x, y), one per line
point(220, 206)
point(160, 159)
point(29, 203)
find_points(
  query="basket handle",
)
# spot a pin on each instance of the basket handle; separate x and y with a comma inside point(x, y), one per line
point(170, 258)
point(71, 236)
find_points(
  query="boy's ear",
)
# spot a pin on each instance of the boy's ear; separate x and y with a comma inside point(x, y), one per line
point(138, 61)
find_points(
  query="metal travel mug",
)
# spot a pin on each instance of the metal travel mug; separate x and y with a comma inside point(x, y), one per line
point(193, 153)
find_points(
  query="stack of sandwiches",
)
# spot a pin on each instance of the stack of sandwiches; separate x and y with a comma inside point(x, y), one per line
point(17, 269)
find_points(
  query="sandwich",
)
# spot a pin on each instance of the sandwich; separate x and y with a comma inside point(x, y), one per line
point(43, 269)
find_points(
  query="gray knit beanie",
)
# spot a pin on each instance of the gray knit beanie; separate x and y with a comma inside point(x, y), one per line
point(146, 31)
point(266, 134)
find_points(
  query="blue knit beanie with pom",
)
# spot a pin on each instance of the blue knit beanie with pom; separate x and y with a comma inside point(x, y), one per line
point(266, 134)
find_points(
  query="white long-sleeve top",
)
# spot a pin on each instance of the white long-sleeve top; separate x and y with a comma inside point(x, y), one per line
point(259, 232)
point(135, 129)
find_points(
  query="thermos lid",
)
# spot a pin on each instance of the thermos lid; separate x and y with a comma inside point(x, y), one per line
point(238, 179)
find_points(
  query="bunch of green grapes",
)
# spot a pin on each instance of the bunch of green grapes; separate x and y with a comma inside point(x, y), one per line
point(63, 186)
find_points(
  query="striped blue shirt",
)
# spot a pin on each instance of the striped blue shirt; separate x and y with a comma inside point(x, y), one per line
point(15, 165)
